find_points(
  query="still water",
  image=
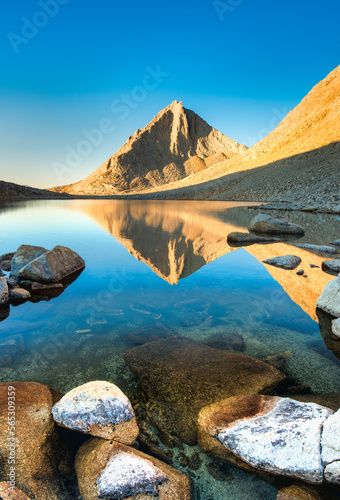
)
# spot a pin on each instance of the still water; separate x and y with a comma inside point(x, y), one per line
point(167, 263)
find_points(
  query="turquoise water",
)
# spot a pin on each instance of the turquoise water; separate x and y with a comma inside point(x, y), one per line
point(165, 262)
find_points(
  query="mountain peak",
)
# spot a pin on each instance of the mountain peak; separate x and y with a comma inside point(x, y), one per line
point(175, 144)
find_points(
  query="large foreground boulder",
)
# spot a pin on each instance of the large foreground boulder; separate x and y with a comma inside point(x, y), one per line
point(107, 469)
point(331, 266)
point(98, 408)
point(28, 435)
point(267, 224)
point(272, 434)
point(329, 300)
point(183, 375)
point(43, 266)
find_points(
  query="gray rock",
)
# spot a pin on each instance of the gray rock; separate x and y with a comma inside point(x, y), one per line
point(330, 439)
point(284, 440)
point(1, 273)
point(52, 266)
point(336, 327)
point(332, 472)
point(336, 242)
point(319, 248)
point(332, 265)
point(237, 237)
point(6, 261)
point(126, 474)
point(329, 300)
point(300, 272)
point(24, 255)
point(285, 262)
point(98, 408)
point(19, 295)
point(264, 223)
point(4, 295)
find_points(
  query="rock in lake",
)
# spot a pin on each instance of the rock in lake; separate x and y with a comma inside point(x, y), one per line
point(285, 262)
point(182, 375)
point(48, 267)
point(19, 295)
point(318, 248)
point(264, 223)
point(4, 295)
point(330, 442)
point(336, 327)
point(227, 342)
point(8, 492)
point(111, 470)
point(237, 237)
point(301, 492)
point(329, 300)
point(24, 255)
point(98, 408)
point(40, 453)
point(272, 434)
point(6, 261)
point(336, 242)
point(332, 265)
point(148, 333)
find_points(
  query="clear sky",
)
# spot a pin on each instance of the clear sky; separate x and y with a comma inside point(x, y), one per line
point(79, 76)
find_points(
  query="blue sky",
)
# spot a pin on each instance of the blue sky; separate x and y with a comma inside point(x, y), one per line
point(78, 77)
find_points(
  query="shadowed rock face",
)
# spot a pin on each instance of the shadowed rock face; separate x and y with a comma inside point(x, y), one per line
point(183, 375)
point(173, 145)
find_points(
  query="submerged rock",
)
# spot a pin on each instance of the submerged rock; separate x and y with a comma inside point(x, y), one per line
point(285, 262)
point(51, 266)
point(276, 435)
point(332, 265)
point(227, 342)
point(5, 360)
point(4, 295)
point(111, 470)
point(279, 361)
point(148, 333)
point(40, 453)
point(336, 242)
point(12, 344)
point(329, 300)
point(237, 237)
point(264, 223)
point(98, 408)
point(182, 375)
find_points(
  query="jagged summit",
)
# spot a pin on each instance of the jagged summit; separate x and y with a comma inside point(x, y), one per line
point(175, 144)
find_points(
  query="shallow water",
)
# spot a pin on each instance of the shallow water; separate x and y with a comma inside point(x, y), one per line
point(167, 262)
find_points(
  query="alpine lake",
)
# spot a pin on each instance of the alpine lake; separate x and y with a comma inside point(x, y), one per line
point(160, 268)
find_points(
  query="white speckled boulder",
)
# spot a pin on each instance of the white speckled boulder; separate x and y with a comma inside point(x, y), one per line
point(268, 224)
point(107, 469)
point(272, 434)
point(98, 408)
point(329, 300)
point(24, 255)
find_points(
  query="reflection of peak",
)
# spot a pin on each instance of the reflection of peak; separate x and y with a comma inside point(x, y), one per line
point(176, 239)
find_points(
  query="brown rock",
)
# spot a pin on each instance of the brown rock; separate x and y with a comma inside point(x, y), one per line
point(183, 375)
point(279, 361)
point(8, 492)
point(97, 458)
point(39, 452)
